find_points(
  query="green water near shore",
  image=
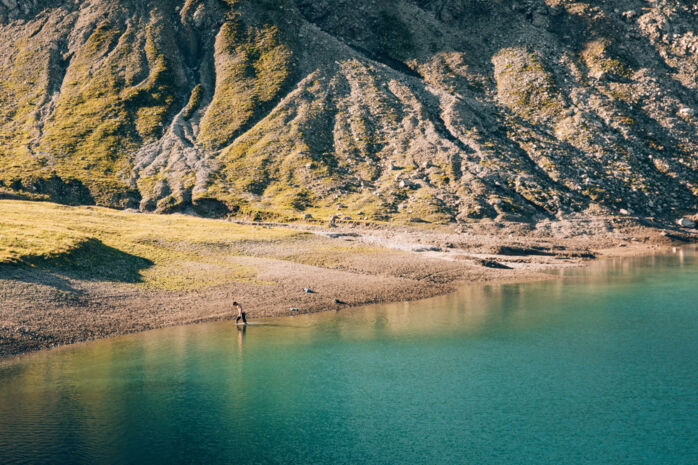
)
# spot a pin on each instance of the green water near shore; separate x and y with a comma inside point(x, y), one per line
point(596, 368)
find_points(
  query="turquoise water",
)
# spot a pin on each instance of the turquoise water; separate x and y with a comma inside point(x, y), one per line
point(597, 368)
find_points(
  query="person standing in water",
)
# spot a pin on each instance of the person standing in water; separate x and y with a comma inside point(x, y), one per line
point(241, 315)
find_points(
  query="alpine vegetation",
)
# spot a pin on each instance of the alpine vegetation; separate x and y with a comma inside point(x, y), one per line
point(394, 110)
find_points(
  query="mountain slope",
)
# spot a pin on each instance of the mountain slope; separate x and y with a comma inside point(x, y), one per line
point(441, 110)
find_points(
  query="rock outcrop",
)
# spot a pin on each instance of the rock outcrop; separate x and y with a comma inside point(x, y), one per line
point(442, 110)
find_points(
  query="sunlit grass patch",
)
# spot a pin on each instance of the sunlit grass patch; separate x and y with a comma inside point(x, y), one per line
point(174, 252)
point(19, 242)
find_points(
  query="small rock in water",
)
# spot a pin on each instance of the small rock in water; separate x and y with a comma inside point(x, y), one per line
point(687, 112)
point(629, 15)
point(686, 223)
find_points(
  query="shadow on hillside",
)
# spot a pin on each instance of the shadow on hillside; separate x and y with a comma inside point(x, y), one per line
point(90, 261)
point(36, 276)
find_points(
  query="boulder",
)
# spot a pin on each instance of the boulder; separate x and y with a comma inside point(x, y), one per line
point(687, 112)
point(686, 223)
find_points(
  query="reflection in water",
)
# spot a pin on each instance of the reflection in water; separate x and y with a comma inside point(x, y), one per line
point(242, 330)
point(670, 258)
point(597, 366)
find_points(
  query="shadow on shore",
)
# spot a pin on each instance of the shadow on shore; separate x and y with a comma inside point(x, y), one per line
point(92, 260)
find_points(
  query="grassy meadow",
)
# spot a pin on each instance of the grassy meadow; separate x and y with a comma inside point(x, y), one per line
point(170, 252)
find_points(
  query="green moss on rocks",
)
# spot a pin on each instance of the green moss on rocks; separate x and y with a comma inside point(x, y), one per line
point(103, 114)
point(197, 95)
point(525, 86)
point(253, 66)
point(596, 57)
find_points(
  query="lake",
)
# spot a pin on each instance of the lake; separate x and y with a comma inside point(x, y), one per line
point(597, 366)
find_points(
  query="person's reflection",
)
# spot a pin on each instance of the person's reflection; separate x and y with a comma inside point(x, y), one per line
point(241, 335)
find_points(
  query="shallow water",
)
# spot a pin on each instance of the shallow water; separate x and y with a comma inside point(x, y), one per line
point(596, 368)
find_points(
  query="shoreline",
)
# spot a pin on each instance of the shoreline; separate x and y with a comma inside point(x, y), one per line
point(456, 286)
point(345, 267)
point(609, 254)
point(230, 316)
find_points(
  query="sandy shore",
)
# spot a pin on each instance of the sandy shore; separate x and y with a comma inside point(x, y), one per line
point(43, 309)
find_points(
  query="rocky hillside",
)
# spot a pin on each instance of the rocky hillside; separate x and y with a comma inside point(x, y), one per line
point(400, 110)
